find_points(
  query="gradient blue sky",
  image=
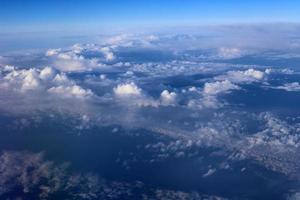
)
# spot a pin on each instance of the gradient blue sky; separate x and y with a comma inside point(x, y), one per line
point(45, 15)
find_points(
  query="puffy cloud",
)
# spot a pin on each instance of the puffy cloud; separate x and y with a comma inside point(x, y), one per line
point(130, 94)
point(254, 73)
point(73, 62)
point(219, 87)
point(109, 55)
point(71, 91)
point(127, 89)
point(47, 73)
point(42, 80)
point(168, 98)
point(80, 57)
point(208, 98)
point(21, 80)
point(249, 75)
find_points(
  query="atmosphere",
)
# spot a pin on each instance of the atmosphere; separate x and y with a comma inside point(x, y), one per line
point(149, 100)
point(35, 15)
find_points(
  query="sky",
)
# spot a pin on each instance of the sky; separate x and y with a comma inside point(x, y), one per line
point(57, 15)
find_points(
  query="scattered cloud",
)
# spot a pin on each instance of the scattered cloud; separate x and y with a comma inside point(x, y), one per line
point(127, 89)
point(249, 75)
point(30, 175)
point(42, 80)
point(71, 91)
point(219, 87)
point(290, 87)
point(229, 53)
point(168, 98)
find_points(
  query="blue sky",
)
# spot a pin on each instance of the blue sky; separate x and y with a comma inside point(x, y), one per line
point(45, 15)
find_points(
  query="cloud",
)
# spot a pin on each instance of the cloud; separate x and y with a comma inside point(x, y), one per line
point(205, 102)
point(290, 87)
point(276, 133)
point(127, 89)
point(229, 53)
point(209, 95)
point(209, 173)
point(30, 174)
point(247, 76)
point(81, 57)
point(129, 94)
point(219, 87)
point(22, 80)
point(71, 91)
point(47, 73)
point(109, 55)
point(41, 81)
point(52, 52)
point(168, 98)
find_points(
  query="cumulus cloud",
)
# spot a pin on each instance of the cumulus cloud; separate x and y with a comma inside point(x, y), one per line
point(71, 91)
point(247, 76)
point(134, 95)
point(127, 89)
point(168, 98)
point(130, 94)
point(41, 80)
point(109, 55)
point(208, 98)
point(81, 57)
point(219, 87)
point(21, 80)
point(47, 73)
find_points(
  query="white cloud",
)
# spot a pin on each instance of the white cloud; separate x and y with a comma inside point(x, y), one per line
point(254, 73)
point(127, 89)
point(52, 52)
point(22, 80)
point(168, 98)
point(74, 59)
point(71, 91)
point(206, 101)
point(209, 173)
point(287, 71)
point(290, 87)
point(219, 87)
point(135, 96)
point(102, 76)
point(250, 75)
point(47, 73)
point(41, 80)
point(229, 53)
point(268, 71)
point(109, 55)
